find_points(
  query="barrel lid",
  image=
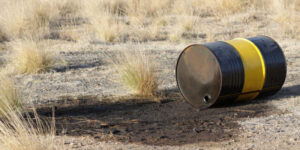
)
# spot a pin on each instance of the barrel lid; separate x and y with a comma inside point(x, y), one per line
point(198, 76)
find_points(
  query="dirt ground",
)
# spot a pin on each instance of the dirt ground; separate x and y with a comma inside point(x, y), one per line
point(94, 112)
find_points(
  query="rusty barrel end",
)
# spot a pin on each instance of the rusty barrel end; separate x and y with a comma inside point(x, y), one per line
point(198, 76)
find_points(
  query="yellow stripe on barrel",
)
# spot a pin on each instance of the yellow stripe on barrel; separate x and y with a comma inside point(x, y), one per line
point(254, 67)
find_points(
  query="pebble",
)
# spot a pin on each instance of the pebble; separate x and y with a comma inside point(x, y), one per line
point(198, 129)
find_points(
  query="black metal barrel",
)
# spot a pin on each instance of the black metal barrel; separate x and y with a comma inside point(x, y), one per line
point(221, 73)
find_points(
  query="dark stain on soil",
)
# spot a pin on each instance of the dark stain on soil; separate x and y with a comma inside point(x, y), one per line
point(171, 122)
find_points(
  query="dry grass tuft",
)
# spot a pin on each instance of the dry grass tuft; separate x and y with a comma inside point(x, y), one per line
point(22, 18)
point(192, 7)
point(161, 21)
point(187, 23)
point(123, 20)
point(117, 7)
point(136, 72)
point(287, 15)
point(30, 57)
point(18, 131)
point(9, 95)
point(152, 8)
point(103, 24)
point(3, 37)
point(69, 34)
point(24, 133)
point(145, 33)
point(176, 35)
point(225, 7)
point(69, 8)
point(107, 28)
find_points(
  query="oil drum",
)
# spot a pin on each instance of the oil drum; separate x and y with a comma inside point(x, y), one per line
point(226, 72)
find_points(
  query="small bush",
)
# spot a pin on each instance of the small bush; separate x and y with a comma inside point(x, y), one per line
point(136, 72)
point(25, 133)
point(9, 95)
point(286, 14)
point(29, 18)
point(29, 57)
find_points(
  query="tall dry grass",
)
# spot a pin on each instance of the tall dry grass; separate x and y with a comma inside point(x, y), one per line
point(119, 21)
point(287, 14)
point(103, 23)
point(29, 56)
point(137, 72)
point(107, 28)
point(125, 20)
point(69, 8)
point(23, 133)
point(10, 98)
point(30, 18)
point(33, 18)
point(18, 129)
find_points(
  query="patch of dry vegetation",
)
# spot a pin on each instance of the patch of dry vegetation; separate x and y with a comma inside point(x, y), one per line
point(107, 28)
point(287, 14)
point(9, 95)
point(69, 34)
point(24, 133)
point(136, 71)
point(103, 24)
point(27, 18)
point(18, 133)
point(18, 130)
point(29, 56)
point(125, 20)
point(69, 8)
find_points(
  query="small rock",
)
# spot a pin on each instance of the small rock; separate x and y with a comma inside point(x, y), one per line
point(163, 137)
point(115, 131)
point(106, 131)
point(66, 142)
point(293, 139)
point(198, 129)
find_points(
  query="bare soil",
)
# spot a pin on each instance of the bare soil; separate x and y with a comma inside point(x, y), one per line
point(171, 122)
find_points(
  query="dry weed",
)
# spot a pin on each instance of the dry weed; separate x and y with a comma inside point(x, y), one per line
point(116, 7)
point(137, 72)
point(187, 23)
point(107, 28)
point(69, 34)
point(175, 36)
point(161, 21)
point(69, 8)
point(25, 133)
point(192, 7)
point(27, 18)
point(18, 130)
point(145, 33)
point(104, 24)
point(9, 94)
point(152, 8)
point(287, 15)
point(30, 57)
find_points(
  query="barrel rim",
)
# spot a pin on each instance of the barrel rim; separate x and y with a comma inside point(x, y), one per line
point(177, 62)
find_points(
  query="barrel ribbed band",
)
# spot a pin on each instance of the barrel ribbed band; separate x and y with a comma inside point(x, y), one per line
point(254, 68)
point(275, 64)
point(231, 66)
